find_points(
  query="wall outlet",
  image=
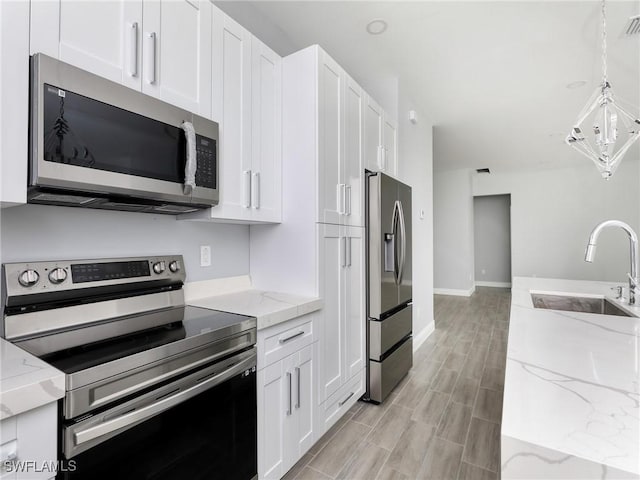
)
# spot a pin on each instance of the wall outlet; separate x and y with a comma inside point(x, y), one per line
point(205, 255)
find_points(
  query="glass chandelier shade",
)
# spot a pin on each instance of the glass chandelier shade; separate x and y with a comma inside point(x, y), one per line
point(604, 131)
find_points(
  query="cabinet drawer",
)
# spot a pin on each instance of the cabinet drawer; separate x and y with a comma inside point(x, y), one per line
point(340, 402)
point(277, 342)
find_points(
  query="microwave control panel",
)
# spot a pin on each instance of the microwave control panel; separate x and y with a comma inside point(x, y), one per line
point(206, 159)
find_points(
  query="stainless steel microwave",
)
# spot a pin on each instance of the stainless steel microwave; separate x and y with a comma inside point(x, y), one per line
point(98, 144)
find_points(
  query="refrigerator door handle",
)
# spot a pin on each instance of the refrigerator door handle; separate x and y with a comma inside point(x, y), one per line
point(403, 243)
point(391, 261)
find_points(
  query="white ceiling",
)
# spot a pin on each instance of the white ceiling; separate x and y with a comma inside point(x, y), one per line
point(490, 76)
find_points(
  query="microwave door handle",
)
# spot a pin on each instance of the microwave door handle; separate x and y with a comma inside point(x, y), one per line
point(191, 164)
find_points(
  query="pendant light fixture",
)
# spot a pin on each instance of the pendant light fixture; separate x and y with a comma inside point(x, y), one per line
point(614, 129)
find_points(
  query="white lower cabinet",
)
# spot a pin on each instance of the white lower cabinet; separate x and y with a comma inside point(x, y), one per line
point(28, 444)
point(340, 402)
point(286, 393)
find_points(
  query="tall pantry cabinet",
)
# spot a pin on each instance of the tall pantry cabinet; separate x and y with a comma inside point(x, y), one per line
point(319, 248)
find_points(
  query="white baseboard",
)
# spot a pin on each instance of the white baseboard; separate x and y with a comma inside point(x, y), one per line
point(455, 292)
point(421, 337)
point(494, 284)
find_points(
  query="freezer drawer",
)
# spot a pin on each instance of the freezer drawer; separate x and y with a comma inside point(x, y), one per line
point(385, 375)
point(386, 333)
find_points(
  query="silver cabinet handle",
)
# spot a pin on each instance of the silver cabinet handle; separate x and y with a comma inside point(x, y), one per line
point(150, 56)
point(144, 413)
point(340, 198)
point(255, 190)
point(289, 404)
point(133, 49)
point(346, 399)
point(246, 201)
point(347, 199)
point(298, 380)
point(348, 242)
point(291, 337)
point(343, 252)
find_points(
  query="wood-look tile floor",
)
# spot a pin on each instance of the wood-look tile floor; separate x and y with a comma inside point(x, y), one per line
point(443, 420)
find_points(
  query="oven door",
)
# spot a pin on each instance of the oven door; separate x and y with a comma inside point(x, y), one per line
point(202, 426)
point(91, 135)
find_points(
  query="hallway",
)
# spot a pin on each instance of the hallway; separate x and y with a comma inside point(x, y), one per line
point(443, 421)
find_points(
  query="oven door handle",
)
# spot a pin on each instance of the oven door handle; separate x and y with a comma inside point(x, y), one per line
point(138, 416)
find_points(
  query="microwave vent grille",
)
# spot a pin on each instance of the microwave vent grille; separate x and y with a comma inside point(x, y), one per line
point(59, 198)
point(175, 209)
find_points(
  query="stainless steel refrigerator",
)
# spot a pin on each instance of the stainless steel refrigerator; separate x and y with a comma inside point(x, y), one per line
point(389, 294)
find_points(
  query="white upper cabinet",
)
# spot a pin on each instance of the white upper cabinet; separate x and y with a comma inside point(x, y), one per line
point(176, 53)
point(266, 133)
point(232, 110)
point(161, 47)
point(353, 168)
point(100, 37)
point(340, 179)
point(389, 146)
point(330, 148)
point(380, 139)
point(247, 103)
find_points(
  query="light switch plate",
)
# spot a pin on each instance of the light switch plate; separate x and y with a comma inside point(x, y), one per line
point(205, 255)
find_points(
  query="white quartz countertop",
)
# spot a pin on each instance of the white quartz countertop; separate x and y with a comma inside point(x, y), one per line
point(571, 395)
point(26, 382)
point(237, 296)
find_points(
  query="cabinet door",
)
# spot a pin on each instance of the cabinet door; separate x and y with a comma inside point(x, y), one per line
point(232, 110)
point(390, 145)
point(177, 53)
point(100, 37)
point(303, 405)
point(331, 343)
point(372, 145)
point(273, 395)
point(330, 186)
point(266, 127)
point(353, 169)
point(354, 302)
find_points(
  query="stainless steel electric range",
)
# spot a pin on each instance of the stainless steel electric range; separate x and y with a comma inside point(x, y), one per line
point(155, 389)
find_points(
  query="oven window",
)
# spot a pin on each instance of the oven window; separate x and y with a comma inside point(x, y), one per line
point(211, 436)
point(87, 133)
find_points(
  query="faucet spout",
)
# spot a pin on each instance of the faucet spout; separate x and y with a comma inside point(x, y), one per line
point(590, 252)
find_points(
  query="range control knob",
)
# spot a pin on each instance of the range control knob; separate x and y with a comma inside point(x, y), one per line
point(174, 266)
point(28, 278)
point(57, 275)
point(159, 267)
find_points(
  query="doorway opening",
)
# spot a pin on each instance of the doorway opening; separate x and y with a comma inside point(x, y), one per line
point(492, 240)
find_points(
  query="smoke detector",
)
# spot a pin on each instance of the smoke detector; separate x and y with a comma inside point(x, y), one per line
point(632, 27)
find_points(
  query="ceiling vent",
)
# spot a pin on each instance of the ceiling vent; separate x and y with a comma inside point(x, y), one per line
point(483, 170)
point(632, 27)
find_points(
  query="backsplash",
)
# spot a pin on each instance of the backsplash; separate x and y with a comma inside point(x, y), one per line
point(35, 232)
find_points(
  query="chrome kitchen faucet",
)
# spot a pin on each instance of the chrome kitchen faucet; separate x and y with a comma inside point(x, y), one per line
point(590, 253)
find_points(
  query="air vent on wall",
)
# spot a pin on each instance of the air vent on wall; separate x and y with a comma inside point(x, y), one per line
point(483, 170)
point(632, 27)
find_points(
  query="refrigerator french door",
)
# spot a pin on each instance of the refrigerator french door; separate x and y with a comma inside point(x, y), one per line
point(389, 292)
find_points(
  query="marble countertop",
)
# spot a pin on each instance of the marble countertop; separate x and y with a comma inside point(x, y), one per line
point(26, 382)
point(235, 295)
point(572, 393)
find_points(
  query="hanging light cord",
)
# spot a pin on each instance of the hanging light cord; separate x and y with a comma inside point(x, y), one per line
point(604, 46)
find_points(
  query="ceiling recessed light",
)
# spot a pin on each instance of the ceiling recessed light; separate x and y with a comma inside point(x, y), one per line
point(576, 84)
point(377, 26)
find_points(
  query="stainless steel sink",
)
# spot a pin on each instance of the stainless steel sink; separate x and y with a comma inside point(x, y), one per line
point(577, 304)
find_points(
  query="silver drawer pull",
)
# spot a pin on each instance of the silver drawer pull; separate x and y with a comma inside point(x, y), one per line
point(295, 335)
point(345, 400)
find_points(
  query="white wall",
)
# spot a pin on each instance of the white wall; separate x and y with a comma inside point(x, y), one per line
point(492, 239)
point(553, 212)
point(38, 232)
point(453, 232)
point(415, 153)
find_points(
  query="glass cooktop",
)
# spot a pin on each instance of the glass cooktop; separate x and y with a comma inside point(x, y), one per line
point(187, 322)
